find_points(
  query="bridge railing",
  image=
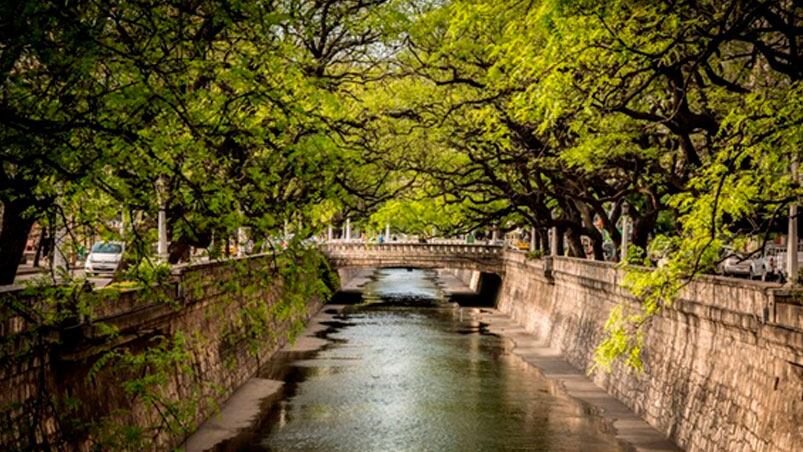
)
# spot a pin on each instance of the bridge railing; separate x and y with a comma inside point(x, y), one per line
point(412, 248)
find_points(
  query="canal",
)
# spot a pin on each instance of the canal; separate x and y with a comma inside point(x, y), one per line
point(408, 371)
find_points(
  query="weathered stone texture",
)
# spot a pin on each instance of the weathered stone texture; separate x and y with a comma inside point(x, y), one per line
point(206, 302)
point(471, 278)
point(486, 258)
point(723, 367)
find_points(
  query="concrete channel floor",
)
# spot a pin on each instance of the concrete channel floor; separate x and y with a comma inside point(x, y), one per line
point(240, 411)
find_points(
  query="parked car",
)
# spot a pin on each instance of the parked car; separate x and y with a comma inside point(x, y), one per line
point(735, 264)
point(768, 266)
point(104, 257)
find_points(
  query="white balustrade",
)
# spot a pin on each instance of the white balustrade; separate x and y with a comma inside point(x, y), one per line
point(445, 249)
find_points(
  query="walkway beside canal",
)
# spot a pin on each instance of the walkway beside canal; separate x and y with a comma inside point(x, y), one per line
point(628, 426)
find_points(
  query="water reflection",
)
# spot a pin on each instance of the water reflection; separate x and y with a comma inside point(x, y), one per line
point(403, 372)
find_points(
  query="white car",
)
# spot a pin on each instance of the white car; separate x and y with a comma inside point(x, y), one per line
point(735, 264)
point(104, 257)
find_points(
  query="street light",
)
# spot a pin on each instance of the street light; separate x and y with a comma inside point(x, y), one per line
point(553, 241)
point(792, 276)
point(243, 241)
point(625, 231)
point(161, 196)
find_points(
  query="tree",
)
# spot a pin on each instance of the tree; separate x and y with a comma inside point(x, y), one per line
point(48, 111)
point(561, 113)
point(237, 108)
point(465, 113)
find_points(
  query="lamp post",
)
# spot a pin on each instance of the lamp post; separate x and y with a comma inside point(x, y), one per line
point(532, 238)
point(553, 241)
point(625, 231)
point(161, 246)
point(123, 223)
point(329, 233)
point(792, 275)
point(242, 241)
point(348, 229)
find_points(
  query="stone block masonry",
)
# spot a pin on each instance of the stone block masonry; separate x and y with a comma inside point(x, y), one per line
point(191, 344)
point(417, 255)
point(723, 367)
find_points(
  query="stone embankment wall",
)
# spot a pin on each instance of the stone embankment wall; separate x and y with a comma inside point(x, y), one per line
point(186, 347)
point(723, 367)
point(471, 278)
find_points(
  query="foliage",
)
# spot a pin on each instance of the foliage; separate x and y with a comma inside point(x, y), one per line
point(229, 115)
point(425, 217)
point(560, 114)
point(535, 254)
point(636, 256)
point(455, 115)
point(263, 303)
point(150, 371)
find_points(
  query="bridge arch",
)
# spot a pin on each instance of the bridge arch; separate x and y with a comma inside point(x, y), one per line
point(355, 261)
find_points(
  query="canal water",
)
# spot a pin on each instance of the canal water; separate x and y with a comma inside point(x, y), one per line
point(407, 371)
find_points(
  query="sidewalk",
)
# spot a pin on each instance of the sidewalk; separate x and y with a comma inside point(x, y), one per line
point(27, 269)
point(26, 274)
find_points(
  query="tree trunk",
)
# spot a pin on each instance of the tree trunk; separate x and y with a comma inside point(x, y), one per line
point(575, 244)
point(40, 247)
point(642, 227)
point(599, 251)
point(178, 251)
point(13, 237)
point(543, 239)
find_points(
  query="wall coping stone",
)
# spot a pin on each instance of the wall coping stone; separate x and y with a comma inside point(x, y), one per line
point(746, 311)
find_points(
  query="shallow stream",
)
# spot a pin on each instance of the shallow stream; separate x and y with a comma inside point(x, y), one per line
point(408, 371)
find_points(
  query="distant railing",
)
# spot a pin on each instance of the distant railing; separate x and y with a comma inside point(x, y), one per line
point(416, 248)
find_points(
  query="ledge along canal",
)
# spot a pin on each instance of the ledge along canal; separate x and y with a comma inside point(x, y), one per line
point(407, 370)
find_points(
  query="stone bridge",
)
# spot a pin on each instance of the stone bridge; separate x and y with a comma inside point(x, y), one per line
point(456, 256)
point(725, 346)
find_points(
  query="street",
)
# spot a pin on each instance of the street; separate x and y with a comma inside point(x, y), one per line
point(30, 275)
